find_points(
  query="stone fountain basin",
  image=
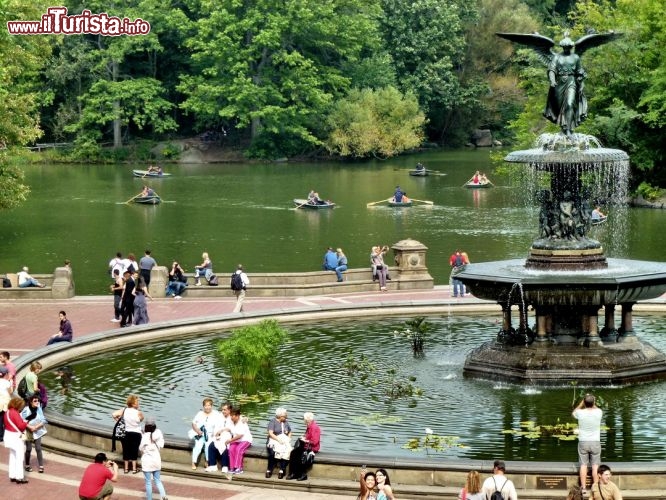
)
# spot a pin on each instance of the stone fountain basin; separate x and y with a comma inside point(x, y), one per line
point(623, 281)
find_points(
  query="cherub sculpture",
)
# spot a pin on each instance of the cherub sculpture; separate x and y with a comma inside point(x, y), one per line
point(566, 105)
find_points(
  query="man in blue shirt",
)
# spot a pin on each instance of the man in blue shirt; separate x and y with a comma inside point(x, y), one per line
point(397, 196)
point(330, 260)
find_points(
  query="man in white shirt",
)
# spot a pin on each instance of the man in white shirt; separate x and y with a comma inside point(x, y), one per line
point(589, 437)
point(240, 293)
point(499, 482)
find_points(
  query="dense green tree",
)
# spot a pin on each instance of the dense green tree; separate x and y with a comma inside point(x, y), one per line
point(380, 123)
point(108, 84)
point(426, 39)
point(275, 67)
point(488, 60)
point(22, 58)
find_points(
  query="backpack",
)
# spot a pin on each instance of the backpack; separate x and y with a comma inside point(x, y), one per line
point(6, 283)
point(497, 494)
point(213, 281)
point(459, 261)
point(22, 388)
point(236, 282)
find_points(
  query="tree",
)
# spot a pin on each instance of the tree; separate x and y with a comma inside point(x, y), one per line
point(22, 58)
point(275, 67)
point(120, 89)
point(426, 39)
point(379, 123)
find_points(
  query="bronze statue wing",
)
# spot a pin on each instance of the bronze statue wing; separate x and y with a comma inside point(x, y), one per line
point(594, 40)
point(542, 45)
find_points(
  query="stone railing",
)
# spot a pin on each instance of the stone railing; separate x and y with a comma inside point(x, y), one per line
point(408, 272)
point(59, 285)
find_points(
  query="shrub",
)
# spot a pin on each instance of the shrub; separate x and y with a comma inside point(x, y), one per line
point(252, 349)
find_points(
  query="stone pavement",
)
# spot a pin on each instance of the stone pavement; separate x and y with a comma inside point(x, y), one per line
point(26, 325)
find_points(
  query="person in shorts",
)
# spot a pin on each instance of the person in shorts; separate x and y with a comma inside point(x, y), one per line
point(589, 437)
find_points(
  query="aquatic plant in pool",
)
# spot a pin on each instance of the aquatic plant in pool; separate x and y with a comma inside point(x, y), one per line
point(251, 350)
point(309, 374)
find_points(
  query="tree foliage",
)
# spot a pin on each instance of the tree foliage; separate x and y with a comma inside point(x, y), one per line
point(381, 123)
point(275, 67)
point(22, 58)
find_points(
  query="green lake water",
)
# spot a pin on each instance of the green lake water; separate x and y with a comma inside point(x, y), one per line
point(243, 213)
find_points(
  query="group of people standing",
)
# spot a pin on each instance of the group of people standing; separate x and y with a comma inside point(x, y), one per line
point(457, 261)
point(130, 288)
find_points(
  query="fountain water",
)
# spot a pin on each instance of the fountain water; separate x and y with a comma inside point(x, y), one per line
point(566, 278)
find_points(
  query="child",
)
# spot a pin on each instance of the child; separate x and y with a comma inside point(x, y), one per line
point(34, 415)
point(152, 440)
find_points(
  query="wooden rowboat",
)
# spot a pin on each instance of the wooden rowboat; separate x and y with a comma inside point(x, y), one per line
point(145, 173)
point(478, 185)
point(302, 203)
point(400, 204)
point(148, 200)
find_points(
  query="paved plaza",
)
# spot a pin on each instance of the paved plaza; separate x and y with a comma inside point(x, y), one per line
point(26, 325)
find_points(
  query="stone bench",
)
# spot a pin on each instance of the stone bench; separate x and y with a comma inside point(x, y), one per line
point(293, 284)
point(59, 285)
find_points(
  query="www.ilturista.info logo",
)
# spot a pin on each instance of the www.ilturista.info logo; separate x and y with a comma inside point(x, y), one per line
point(57, 22)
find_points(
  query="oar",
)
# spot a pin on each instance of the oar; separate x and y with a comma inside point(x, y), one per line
point(133, 197)
point(304, 203)
point(422, 201)
point(375, 202)
point(434, 172)
point(468, 181)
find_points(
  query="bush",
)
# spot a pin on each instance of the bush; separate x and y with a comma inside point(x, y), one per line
point(649, 192)
point(252, 349)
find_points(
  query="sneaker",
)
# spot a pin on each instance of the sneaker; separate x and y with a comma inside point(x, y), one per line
point(115, 320)
point(177, 297)
point(211, 468)
point(225, 469)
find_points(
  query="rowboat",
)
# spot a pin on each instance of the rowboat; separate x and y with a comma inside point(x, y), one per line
point(419, 173)
point(400, 204)
point(302, 203)
point(147, 200)
point(478, 185)
point(146, 173)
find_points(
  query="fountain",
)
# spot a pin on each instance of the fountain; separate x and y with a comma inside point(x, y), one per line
point(567, 279)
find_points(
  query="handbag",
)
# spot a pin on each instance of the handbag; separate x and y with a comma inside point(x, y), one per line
point(119, 430)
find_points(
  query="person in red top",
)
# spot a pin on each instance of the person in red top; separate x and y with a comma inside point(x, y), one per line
point(95, 483)
point(302, 456)
point(14, 427)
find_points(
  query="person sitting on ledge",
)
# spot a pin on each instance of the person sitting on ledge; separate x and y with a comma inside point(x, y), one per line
point(65, 331)
point(25, 280)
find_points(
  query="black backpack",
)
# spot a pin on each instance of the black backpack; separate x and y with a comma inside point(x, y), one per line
point(22, 388)
point(236, 282)
point(213, 281)
point(497, 494)
point(459, 261)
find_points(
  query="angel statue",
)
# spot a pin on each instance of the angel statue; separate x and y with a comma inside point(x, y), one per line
point(566, 105)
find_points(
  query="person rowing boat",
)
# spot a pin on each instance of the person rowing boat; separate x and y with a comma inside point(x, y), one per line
point(147, 192)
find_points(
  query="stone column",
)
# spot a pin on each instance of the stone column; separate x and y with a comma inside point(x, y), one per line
point(593, 331)
point(410, 262)
point(626, 332)
point(541, 321)
point(63, 284)
point(159, 277)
